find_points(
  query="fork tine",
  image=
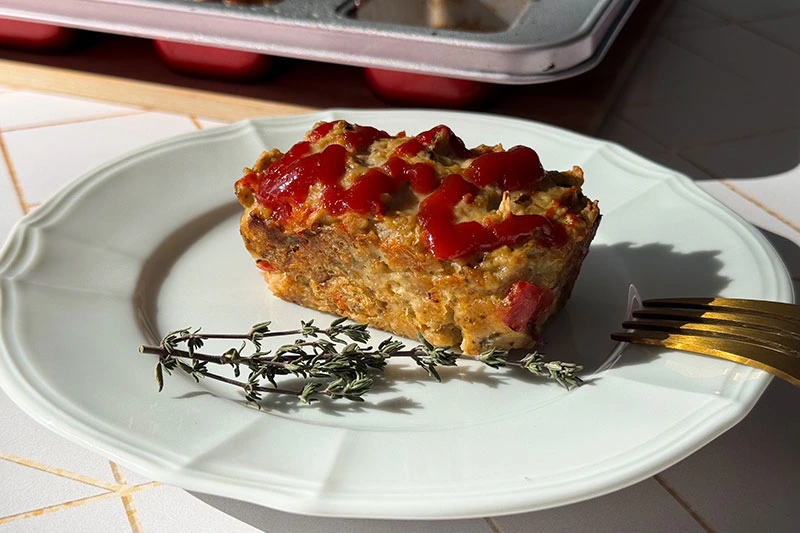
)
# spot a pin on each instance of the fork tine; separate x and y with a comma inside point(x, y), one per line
point(765, 335)
point(786, 311)
point(766, 358)
point(770, 337)
point(700, 316)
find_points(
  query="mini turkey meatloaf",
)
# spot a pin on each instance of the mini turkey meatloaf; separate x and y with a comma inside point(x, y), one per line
point(474, 248)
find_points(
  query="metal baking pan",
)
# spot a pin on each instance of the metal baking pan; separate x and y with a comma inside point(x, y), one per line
point(499, 41)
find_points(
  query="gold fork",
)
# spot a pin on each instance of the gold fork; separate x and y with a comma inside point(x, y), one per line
point(760, 334)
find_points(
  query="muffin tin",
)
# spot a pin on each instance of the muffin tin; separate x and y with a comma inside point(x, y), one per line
point(498, 41)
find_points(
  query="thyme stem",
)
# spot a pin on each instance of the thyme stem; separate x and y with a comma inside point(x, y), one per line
point(241, 336)
point(329, 364)
point(243, 385)
point(217, 359)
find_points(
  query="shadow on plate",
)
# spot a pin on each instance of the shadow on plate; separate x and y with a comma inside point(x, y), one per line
point(599, 302)
point(387, 384)
point(157, 267)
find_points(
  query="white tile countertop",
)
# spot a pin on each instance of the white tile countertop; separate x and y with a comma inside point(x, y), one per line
point(715, 96)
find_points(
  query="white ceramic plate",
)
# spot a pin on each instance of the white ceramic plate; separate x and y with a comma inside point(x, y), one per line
point(150, 243)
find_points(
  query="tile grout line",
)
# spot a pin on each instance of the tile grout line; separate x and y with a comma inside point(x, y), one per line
point(492, 525)
point(683, 503)
point(13, 174)
point(745, 27)
point(58, 472)
point(127, 499)
point(706, 11)
point(75, 503)
point(688, 50)
point(709, 11)
point(727, 69)
point(680, 154)
point(12, 87)
point(66, 122)
point(752, 200)
point(53, 508)
point(624, 76)
point(707, 144)
point(639, 130)
point(745, 137)
point(700, 166)
point(676, 152)
point(618, 114)
point(790, 12)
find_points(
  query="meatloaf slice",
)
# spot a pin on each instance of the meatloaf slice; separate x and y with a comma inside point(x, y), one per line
point(474, 248)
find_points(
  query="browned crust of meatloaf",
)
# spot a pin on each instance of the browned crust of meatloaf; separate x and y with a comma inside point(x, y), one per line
point(460, 307)
point(377, 270)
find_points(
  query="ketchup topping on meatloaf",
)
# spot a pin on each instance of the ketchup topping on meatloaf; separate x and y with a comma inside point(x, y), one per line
point(467, 201)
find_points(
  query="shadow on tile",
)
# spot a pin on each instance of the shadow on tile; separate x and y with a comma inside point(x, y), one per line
point(267, 519)
point(752, 157)
point(645, 506)
point(641, 507)
point(716, 93)
point(787, 249)
point(746, 480)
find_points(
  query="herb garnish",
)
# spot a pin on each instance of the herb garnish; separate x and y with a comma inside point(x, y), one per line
point(335, 361)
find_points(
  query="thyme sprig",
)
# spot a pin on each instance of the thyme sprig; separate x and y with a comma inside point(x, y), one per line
point(335, 362)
